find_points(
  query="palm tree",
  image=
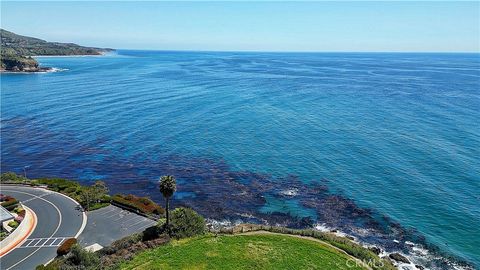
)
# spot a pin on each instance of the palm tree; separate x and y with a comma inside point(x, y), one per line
point(167, 188)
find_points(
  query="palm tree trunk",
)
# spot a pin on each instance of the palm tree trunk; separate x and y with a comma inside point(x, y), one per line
point(167, 216)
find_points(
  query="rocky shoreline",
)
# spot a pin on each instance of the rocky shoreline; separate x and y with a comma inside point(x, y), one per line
point(29, 70)
point(18, 51)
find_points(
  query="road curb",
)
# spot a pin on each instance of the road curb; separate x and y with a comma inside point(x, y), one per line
point(20, 234)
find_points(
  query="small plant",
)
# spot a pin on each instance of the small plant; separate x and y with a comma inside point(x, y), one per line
point(22, 213)
point(9, 203)
point(66, 246)
point(14, 224)
point(81, 257)
point(19, 219)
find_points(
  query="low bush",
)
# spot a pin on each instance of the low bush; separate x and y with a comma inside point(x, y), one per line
point(90, 197)
point(126, 248)
point(151, 233)
point(3, 234)
point(186, 223)
point(11, 177)
point(80, 257)
point(14, 224)
point(98, 206)
point(59, 184)
point(66, 246)
point(71, 190)
point(123, 243)
point(9, 203)
point(18, 219)
point(56, 264)
point(142, 204)
point(22, 213)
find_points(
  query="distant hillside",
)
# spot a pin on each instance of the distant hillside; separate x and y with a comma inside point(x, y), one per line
point(16, 51)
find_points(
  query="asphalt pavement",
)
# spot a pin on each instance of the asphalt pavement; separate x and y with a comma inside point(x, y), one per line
point(111, 223)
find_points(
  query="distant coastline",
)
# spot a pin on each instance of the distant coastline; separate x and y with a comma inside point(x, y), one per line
point(19, 52)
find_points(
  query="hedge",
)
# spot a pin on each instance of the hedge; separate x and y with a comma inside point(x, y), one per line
point(66, 246)
point(142, 204)
point(10, 203)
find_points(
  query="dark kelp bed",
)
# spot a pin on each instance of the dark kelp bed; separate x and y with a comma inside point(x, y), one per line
point(207, 185)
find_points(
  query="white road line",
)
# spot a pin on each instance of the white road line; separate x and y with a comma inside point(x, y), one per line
point(30, 243)
point(41, 243)
point(25, 243)
point(53, 243)
point(29, 200)
point(56, 229)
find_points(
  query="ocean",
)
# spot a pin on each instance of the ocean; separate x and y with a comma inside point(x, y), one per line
point(382, 146)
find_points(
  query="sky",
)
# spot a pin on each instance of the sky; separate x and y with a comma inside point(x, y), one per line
point(252, 26)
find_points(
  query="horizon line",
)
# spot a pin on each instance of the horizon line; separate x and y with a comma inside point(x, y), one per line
point(286, 51)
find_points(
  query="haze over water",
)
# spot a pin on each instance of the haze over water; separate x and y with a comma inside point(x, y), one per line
point(396, 133)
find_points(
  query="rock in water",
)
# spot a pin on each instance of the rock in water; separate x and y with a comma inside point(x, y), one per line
point(399, 257)
point(375, 250)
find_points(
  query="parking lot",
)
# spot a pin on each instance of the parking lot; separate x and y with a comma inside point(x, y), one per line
point(111, 223)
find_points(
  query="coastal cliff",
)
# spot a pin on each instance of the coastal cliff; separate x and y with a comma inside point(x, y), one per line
point(17, 51)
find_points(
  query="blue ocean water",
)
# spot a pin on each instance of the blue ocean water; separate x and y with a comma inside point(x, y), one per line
point(385, 142)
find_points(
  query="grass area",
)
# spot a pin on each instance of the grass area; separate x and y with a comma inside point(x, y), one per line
point(99, 205)
point(256, 251)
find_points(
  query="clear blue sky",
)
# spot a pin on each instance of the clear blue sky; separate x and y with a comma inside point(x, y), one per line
point(264, 26)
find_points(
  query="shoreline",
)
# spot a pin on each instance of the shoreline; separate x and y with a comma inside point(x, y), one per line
point(42, 70)
point(71, 55)
point(54, 69)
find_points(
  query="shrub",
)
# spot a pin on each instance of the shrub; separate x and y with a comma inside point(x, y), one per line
point(151, 233)
point(71, 190)
point(12, 177)
point(142, 204)
point(13, 224)
point(186, 223)
point(9, 203)
point(53, 265)
point(66, 246)
point(123, 243)
point(19, 219)
point(22, 213)
point(99, 205)
point(81, 257)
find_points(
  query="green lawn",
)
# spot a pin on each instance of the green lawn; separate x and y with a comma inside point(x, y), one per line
point(256, 251)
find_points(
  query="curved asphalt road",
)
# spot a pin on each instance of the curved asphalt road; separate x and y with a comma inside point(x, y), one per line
point(58, 218)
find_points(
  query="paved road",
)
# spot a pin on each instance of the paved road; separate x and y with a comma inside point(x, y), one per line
point(58, 218)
